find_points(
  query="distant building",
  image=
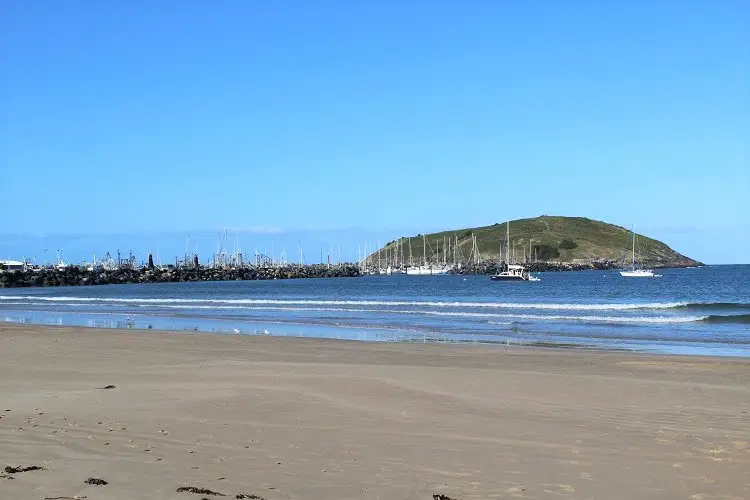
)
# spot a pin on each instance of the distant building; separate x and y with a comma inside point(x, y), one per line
point(12, 265)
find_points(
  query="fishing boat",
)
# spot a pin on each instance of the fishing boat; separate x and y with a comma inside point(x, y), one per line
point(636, 272)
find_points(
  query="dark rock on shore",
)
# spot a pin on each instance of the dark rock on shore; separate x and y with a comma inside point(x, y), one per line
point(96, 481)
point(15, 470)
point(199, 491)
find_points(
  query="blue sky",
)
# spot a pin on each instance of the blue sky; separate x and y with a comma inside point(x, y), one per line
point(371, 119)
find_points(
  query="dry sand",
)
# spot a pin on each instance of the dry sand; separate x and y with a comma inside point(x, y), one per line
point(320, 419)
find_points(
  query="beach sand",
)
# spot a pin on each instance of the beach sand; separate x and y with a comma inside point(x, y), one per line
point(284, 418)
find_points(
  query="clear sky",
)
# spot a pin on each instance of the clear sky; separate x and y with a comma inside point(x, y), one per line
point(387, 116)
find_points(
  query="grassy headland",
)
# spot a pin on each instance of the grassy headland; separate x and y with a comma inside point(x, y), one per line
point(576, 240)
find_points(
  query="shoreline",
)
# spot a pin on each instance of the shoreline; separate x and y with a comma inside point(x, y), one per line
point(315, 419)
point(365, 336)
point(538, 347)
point(532, 347)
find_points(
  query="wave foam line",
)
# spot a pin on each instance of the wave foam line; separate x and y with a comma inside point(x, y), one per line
point(599, 319)
point(386, 303)
point(461, 314)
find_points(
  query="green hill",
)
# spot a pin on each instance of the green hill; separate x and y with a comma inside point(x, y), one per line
point(546, 238)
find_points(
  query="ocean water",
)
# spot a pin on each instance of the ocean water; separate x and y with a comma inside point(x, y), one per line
point(686, 311)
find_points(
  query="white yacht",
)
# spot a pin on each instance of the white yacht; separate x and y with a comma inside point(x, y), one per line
point(634, 272)
point(514, 272)
point(637, 273)
point(425, 270)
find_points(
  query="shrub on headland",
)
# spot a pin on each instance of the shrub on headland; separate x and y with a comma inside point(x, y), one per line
point(567, 245)
point(545, 252)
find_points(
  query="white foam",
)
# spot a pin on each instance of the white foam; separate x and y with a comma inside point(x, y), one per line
point(464, 314)
point(386, 303)
point(318, 306)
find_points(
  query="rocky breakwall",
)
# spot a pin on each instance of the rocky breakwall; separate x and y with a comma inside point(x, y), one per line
point(536, 267)
point(74, 276)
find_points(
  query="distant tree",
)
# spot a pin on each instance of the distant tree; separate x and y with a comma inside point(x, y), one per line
point(545, 252)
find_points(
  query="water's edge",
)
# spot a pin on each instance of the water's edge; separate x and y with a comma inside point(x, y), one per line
point(692, 311)
point(145, 324)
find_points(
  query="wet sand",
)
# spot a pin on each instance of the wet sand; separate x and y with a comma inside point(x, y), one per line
point(284, 418)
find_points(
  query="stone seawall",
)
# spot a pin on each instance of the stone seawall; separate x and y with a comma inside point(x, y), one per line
point(74, 276)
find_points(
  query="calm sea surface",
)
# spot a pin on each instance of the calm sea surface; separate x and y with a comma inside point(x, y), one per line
point(688, 311)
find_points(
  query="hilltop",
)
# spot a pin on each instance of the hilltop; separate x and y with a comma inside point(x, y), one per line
point(553, 239)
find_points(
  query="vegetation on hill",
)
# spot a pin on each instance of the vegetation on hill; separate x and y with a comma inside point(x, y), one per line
point(545, 238)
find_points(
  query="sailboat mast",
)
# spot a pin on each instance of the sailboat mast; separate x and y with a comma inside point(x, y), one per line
point(444, 250)
point(507, 242)
point(379, 266)
point(455, 251)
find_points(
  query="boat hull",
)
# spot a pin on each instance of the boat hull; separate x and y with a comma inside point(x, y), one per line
point(638, 273)
point(499, 277)
point(425, 271)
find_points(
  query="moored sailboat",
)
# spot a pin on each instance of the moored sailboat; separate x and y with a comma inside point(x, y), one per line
point(425, 269)
point(634, 272)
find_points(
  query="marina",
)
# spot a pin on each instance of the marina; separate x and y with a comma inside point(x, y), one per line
point(540, 244)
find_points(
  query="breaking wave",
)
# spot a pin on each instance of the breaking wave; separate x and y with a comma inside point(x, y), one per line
point(385, 303)
point(736, 318)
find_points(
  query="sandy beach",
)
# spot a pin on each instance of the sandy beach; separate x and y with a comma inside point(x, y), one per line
point(282, 418)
